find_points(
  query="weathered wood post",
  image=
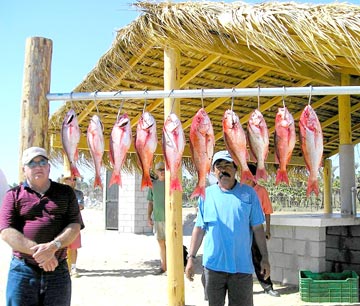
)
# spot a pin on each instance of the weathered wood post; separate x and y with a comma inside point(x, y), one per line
point(173, 202)
point(34, 104)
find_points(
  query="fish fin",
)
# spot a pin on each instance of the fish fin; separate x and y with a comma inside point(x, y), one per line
point(146, 182)
point(261, 174)
point(98, 182)
point(175, 184)
point(312, 186)
point(115, 179)
point(246, 175)
point(74, 171)
point(281, 176)
point(76, 156)
point(198, 191)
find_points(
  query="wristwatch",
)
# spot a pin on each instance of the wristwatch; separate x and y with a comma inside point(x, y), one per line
point(191, 256)
point(57, 243)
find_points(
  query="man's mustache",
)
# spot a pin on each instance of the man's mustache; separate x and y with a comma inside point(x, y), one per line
point(224, 174)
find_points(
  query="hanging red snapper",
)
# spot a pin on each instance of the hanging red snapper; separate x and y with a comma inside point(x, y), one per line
point(285, 139)
point(311, 139)
point(70, 136)
point(120, 141)
point(202, 143)
point(258, 136)
point(95, 140)
point(235, 142)
point(173, 142)
point(145, 146)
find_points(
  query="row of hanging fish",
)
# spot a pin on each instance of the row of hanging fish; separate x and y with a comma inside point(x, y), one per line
point(202, 142)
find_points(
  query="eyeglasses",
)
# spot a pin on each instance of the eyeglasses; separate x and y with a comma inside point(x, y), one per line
point(162, 169)
point(70, 179)
point(40, 163)
point(223, 166)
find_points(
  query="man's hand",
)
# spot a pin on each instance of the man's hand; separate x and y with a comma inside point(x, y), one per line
point(43, 252)
point(50, 265)
point(150, 222)
point(265, 268)
point(189, 270)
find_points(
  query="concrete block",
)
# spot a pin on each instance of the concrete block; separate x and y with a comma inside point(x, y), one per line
point(282, 260)
point(310, 233)
point(276, 274)
point(290, 276)
point(275, 245)
point(280, 231)
point(317, 249)
point(292, 246)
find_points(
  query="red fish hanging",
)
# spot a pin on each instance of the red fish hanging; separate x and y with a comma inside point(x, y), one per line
point(285, 138)
point(95, 140)
point(235, 142)
point(311, 139)
point(70, 136)
point(202, 142)
point(145, 146)
point(173, 142)
point(258, 136)
point(120, 141)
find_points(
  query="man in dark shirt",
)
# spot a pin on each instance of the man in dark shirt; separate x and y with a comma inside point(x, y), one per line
point(39, 219)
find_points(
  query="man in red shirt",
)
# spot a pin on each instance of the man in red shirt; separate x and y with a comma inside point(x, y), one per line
point(39, 219)
point(265, 202)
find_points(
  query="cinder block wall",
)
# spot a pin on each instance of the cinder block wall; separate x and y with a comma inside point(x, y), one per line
point(343, 248)
point(132, 205)
point(294, 248)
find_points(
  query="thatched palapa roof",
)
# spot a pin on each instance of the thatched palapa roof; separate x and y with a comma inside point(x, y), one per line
point(228, 45)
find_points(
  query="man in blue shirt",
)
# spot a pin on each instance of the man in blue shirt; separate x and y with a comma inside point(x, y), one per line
point(228, 218)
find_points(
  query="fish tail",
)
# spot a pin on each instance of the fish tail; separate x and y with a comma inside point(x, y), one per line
point(312, 186)
point(261, 174)
point(98, 182)
point(74, 171)
point(198, 191)
point(146, 181)
point(281, 176)
point(115, 179)
point(247, 175)
point(175, 184)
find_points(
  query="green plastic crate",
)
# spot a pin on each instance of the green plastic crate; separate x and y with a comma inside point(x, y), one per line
point(329, 287)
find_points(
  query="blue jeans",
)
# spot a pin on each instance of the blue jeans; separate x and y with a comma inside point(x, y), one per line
point(238, 286)
point(29, 285)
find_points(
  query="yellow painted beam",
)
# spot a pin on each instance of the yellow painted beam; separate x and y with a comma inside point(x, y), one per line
point(344, 114)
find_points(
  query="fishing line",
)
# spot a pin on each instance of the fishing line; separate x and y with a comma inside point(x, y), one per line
point(310, 94)
point(283, 97)
point(71, 99)
point(202, 97)
point(95, 94)
point(173, 101)
point(145, 92)
point(232, 100)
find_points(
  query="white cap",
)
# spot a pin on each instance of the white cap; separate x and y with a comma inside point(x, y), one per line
point(160, 165)
point(30, 153)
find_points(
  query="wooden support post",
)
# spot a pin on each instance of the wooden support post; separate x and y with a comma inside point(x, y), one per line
point(173, 202)
point(34, 105)
point(327, 186)
point(346, 152)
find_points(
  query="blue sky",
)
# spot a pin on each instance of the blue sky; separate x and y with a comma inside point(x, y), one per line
point(81, 31)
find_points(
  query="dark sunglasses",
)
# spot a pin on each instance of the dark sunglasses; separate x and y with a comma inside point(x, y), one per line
point(162, 169)
point(40, 163)
point(70, 179)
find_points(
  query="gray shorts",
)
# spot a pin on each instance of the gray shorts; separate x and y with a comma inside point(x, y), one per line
point(238, 286)
point(159, 230)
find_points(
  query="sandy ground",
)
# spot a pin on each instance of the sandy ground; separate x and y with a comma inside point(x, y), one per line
point(118, 269)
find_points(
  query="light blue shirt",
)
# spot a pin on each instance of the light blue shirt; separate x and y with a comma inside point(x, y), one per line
point(227, 218)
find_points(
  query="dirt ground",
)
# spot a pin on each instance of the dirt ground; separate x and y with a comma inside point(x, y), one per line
point(118, 269)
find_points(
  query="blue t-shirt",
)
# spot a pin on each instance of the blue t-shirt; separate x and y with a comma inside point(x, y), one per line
point(227, 217)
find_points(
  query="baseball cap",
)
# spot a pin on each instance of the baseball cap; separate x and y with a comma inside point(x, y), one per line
point(160, 165)
point(30, 153)
point(221, 155)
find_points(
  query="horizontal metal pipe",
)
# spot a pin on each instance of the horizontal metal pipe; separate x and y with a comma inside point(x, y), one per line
point(205, 93)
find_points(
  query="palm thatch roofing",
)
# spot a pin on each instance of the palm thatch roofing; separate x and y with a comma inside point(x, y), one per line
point(227, 45)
